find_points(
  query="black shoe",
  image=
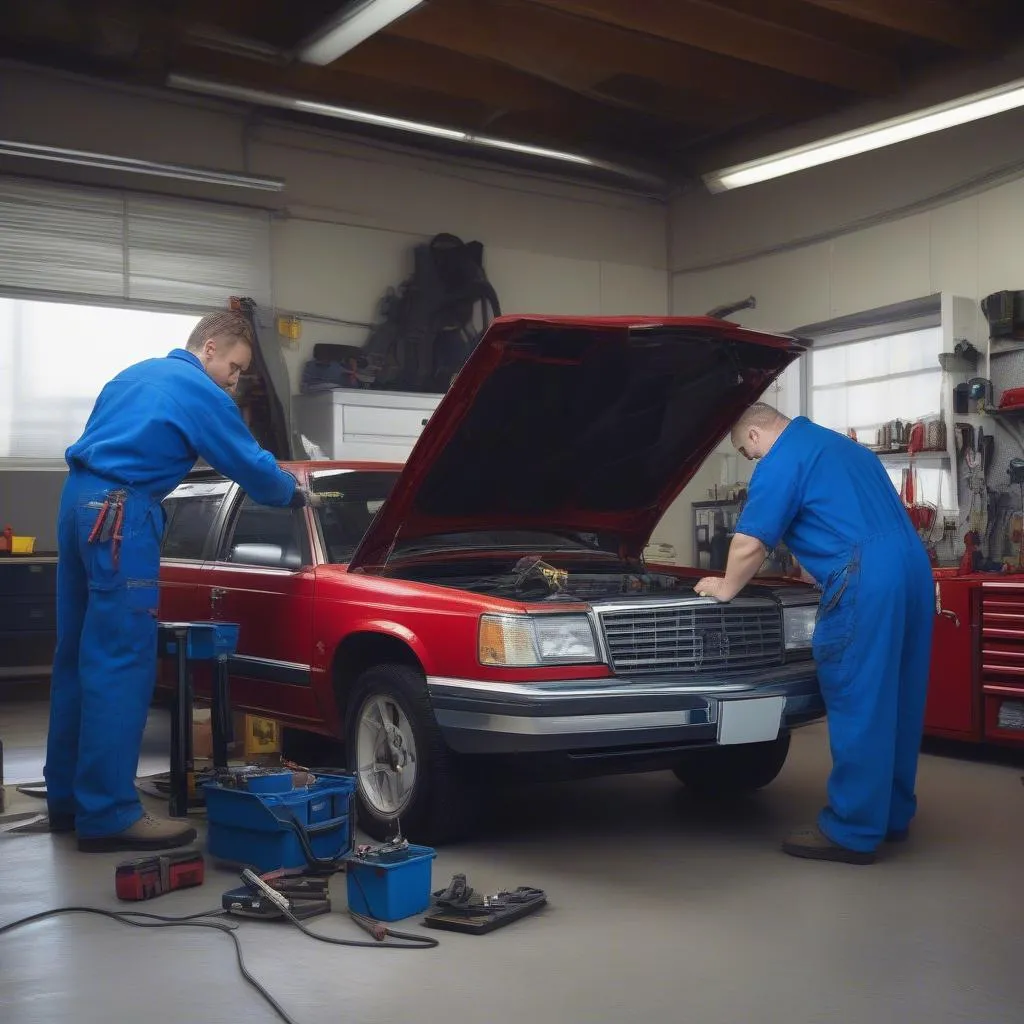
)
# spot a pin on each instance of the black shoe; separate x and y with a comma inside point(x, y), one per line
point(897, 835)
point(62, 823)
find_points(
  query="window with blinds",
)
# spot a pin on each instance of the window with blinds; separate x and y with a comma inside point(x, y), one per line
point(92, 281)
point(90, 243)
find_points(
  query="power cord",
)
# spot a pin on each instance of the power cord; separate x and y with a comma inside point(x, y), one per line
point(137, 919)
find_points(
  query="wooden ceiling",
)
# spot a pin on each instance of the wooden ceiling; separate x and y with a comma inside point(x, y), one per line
point(648, 83)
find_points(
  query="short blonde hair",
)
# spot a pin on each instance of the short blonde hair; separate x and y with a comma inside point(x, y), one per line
point(227, 324)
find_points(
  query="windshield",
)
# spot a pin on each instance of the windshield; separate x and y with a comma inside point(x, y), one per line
point(349, 499)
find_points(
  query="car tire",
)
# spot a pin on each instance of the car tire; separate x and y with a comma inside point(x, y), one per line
point(438, 806)
point(732, 771)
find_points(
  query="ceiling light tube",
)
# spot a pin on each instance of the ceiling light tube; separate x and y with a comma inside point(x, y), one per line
point(877, 136)
point(179, 172)
point(208, 87)
point(224, 90)
point(352, 27)
point(521, 147)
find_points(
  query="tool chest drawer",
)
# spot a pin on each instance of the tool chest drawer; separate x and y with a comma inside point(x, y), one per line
point(27, 577)
point(1002, 661)
point(27, 613)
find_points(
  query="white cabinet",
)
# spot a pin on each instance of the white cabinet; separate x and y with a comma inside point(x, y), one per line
point(374, 426)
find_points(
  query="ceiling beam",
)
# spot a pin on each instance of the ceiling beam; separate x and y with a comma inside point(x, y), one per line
point(955, 25)
point(732, 33)
point(581, 55)
point(416, 65)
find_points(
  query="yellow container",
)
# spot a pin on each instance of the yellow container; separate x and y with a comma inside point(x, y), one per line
point(23, 545)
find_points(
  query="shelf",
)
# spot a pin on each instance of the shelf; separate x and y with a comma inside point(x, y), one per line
point(940, 458)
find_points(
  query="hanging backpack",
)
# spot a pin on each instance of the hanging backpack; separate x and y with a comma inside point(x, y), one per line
point(433, 322)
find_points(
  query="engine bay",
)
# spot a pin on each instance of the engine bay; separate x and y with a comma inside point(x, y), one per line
point(537, 578)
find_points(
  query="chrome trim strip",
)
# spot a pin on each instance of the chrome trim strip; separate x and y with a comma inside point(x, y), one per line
point(251, 659)
point(283, 673)
point(672, 601)
point(584, 689)
point(562, 725)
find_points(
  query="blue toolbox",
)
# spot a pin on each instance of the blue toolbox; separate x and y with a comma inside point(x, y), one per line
point(392, 886)
point(261, 819)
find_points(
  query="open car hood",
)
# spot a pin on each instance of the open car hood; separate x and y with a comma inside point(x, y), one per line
point(576, 425)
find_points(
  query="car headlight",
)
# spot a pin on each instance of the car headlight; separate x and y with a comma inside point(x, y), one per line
point(798, 626)
point(522, 641)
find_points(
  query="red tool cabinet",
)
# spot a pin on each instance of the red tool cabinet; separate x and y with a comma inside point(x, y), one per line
point(976, 685)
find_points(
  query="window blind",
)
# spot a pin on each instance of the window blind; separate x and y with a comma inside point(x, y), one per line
point(80, 243)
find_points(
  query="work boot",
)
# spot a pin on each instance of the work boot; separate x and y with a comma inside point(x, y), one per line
point(813, 844)
point(147, 833)
point(61, 822)
point(897, 835)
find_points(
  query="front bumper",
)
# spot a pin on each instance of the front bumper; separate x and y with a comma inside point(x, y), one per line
point(477, 717)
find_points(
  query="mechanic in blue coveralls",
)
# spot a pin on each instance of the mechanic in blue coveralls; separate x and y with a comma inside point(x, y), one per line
point(148, 428)
point(833, 504)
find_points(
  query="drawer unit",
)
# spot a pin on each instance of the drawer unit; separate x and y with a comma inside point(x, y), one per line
point(28, 616)
point(1001, 661)
point(372, 426)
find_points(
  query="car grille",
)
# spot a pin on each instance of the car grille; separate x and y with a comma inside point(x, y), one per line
point(692, 638)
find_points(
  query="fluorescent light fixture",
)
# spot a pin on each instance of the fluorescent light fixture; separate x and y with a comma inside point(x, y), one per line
point(877, 136)
point(520, 147)
point(351, 27)
point(179, 172)
point(208, 87)
point(224, 90)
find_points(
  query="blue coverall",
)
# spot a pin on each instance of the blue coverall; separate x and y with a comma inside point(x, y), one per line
point(833, 504)
point(148, 428)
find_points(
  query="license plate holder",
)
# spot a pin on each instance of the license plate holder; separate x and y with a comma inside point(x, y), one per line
point(757, 720)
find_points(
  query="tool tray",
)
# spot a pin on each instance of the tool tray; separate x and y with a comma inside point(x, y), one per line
point(266, 830)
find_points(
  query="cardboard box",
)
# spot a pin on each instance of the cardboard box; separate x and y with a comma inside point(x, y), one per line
point(254, 737)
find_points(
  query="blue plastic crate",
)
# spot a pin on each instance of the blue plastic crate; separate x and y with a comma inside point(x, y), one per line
point(390, 891)
point(258, 829)
point(205, 641)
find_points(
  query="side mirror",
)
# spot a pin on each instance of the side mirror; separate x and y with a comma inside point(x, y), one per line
point(269, 556)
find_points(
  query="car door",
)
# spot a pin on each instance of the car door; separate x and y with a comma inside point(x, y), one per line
point(193, 512)
point(262, 578)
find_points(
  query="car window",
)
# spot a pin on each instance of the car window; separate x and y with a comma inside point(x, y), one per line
point(191, 512)
point(269, 537)
point(349, 499)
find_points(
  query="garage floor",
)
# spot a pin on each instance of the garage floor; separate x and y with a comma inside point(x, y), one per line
point(659, 911)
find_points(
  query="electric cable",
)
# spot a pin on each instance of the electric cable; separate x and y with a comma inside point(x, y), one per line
point(207, 919)
point(137, 919)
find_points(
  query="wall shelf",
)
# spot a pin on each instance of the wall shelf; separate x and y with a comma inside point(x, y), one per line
point(933, 458)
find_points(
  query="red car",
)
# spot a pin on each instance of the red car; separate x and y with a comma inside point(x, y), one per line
point(487, 605)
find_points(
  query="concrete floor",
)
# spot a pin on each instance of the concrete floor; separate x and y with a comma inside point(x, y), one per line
point(659, 910)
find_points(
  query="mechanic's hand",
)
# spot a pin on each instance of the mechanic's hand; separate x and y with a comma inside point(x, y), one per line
point(303, 496)
point(714, 586)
